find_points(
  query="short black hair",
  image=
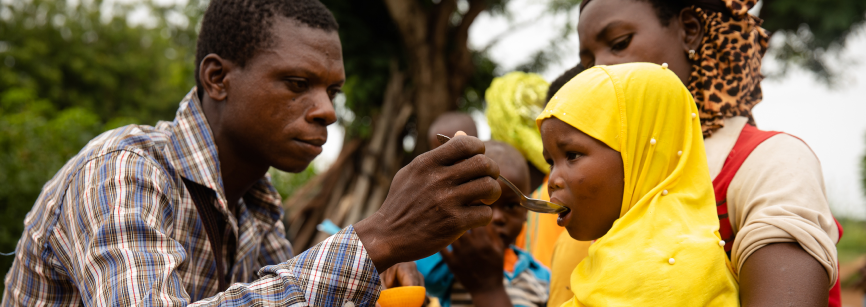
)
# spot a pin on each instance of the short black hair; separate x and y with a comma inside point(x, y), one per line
point(236, 29)
point(562, 80)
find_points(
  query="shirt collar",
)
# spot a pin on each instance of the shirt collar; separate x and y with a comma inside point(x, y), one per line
point(193, 153)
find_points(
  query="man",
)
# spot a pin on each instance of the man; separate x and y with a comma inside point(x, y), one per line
point(182, 213)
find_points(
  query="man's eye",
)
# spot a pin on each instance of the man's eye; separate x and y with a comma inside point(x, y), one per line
point(572, 155)
point(621, 43)
point(332, 93)
point(297, 85)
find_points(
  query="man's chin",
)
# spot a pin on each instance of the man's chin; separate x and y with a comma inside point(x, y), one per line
point(294, 166)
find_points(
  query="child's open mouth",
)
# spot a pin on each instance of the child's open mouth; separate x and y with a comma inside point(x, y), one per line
point(564, 218)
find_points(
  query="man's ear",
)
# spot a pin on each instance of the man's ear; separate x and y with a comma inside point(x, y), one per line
point(212, 73)
point(693, 29)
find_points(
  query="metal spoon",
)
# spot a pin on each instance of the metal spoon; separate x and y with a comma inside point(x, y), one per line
point(537, 205)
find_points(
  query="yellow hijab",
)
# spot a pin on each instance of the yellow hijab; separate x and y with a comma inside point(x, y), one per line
point(665, 248)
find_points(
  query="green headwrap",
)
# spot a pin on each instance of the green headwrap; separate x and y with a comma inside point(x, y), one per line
point(513, 102)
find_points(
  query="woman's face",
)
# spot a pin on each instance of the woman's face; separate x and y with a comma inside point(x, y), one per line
point(625, 31)
point(586, 176)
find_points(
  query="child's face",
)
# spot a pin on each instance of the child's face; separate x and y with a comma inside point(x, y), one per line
point(508, 215)
point(586, 176)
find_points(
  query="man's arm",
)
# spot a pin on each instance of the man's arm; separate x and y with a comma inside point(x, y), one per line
point(783, 223)
point(120, 252)
point(118, 249)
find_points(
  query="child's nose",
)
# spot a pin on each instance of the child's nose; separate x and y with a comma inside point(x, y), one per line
point(498, 216)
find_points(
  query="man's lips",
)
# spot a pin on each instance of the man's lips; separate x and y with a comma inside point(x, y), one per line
point(311, 146)
point(315, 142)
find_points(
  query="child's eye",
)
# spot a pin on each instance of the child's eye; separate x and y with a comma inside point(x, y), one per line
point(571, 155)
point(621, 43)
point(550, 163)
point(510, 206)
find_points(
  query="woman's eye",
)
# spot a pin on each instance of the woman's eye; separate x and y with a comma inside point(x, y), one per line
point(621, 43)
point(572, 155)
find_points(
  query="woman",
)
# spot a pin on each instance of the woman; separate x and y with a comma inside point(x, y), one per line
point(626, 156)
point(773, 211)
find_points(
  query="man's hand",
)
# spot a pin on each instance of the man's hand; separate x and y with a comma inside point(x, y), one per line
point(403, 274)
point(431, 203)
point(477, 260)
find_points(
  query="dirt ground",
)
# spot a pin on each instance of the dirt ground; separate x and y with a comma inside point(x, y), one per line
point(851, 297)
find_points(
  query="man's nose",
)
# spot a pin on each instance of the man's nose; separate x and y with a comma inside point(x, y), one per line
point(323, 110)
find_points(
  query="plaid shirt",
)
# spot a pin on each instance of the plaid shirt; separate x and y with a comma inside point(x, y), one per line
point(118, 226)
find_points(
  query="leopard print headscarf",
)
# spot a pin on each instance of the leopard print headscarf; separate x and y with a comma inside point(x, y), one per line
point(726, 70)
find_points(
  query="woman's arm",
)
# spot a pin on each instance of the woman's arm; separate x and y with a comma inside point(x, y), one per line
point(783, 274)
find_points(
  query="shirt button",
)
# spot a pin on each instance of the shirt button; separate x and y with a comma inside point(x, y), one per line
point(722, 243)
point(652, 141)
point(349, 304)
point(672, 261)
point(679, 153)
point(665, 192)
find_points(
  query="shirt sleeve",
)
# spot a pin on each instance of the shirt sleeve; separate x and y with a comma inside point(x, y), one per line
point(120, 251)
point(778, 195)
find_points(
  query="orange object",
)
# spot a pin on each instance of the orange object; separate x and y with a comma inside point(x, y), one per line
point(412, 296)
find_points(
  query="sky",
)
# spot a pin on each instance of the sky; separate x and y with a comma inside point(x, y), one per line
point(829, 119)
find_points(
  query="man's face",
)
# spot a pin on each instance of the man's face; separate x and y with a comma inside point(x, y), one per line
point(279, 105)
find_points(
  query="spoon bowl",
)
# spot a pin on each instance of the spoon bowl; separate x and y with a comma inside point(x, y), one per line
point(531, 204)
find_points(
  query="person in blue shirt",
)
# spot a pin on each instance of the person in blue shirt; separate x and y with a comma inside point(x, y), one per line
point(483, 267)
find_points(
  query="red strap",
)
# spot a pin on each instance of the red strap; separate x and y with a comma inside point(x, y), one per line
point(749, 139)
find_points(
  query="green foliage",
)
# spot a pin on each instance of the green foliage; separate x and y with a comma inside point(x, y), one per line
point(813, 30)
point(853, 242)
point(68, 73)
point(371, 42)
point(287, 183)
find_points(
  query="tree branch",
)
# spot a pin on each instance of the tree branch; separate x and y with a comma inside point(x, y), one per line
point(442, 20)
point(410, 19)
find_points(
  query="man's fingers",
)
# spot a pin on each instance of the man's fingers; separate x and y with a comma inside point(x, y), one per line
point(476, 216)
point(458, 148)
point(485, 189)
point(475, 167)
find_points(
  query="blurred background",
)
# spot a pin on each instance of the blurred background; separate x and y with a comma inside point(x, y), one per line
point(70, 70)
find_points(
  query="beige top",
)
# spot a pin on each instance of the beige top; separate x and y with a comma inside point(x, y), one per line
point(777, 195)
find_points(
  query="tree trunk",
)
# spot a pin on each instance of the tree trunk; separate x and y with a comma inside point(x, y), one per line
point(440, 65)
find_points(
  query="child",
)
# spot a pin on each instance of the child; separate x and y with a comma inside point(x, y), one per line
point(627, 158)
point(471, 271)
point(449, 123)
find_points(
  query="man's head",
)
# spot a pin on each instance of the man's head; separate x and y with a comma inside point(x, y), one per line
point(508, 215)
point(448, 124)
point(267, 71)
